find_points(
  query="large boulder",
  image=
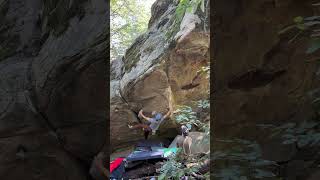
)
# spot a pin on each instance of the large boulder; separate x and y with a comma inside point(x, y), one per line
point(120, 113)
point(53, 87)
point(160, 70)
point(260, 76)
point(259, 82)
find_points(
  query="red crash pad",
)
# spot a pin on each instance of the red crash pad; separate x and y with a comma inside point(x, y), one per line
point(116, 163)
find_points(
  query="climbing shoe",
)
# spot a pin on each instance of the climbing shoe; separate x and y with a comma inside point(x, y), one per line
point(130, 126)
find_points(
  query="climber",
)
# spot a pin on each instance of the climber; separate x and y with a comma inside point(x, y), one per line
point(185, 140)
point(155, 122)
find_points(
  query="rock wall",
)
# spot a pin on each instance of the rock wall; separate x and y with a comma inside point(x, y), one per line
point(262, 78)
point(159, 71)
point(53, 87)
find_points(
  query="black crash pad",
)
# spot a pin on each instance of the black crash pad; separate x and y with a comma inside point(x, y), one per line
point(145, 155)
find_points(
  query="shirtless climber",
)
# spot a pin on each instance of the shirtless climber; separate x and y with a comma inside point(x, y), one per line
point(155, 122)
point(185, 140)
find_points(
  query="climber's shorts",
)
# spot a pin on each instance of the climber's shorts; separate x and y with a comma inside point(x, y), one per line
point(146, 132)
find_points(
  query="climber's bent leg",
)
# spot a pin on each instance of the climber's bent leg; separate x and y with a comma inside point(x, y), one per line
point(139, 126)
point(144, 127)
point(146, 133)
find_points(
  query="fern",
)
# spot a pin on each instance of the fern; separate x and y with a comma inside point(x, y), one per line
point(185, 115)
point(204, 104)
point(174, 169)
point(303, 134)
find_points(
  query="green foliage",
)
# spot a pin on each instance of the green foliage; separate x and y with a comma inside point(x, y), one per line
point(189, 6)
point(171, 169)
point(234, 173)
point(304, 134)
point(231, 173)
point(298, 19)
point(207, 175)
point(299, 23)
point(174, 167)
point(314, 46)
point(205, 70)
point(303, 24)
point(205, 104)
point(246, 153)
point(184, 6)
point(206, 130)
point(185, 115)
point(128, 19)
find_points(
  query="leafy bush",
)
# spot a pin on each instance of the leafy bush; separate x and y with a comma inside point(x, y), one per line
point(189, 6)
point(304, 24)
point(174, 169)
point(303, 134)
point(181, 165)
point(205, 104)
point(185, 115)
point(246, 153)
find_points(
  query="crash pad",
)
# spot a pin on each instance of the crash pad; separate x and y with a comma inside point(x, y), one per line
point(170, 151)
point(118, 172)
point(174, 142)
point(116, 163)
point(145, 155)
point(143, 149)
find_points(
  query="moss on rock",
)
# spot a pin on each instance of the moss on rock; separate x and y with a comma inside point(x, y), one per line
point(132, 55)
point(58, 13)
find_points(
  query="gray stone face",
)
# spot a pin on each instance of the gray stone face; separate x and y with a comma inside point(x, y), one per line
point(53, 87)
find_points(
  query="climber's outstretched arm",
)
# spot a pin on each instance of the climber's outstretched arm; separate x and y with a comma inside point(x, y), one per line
point(168, 114)
point(143, 116)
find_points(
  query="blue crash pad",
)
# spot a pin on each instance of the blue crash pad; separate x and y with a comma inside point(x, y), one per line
point(145, 155)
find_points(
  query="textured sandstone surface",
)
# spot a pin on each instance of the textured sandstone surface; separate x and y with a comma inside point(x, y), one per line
point(159, 71)
point(261, 78)
point(53, 87)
